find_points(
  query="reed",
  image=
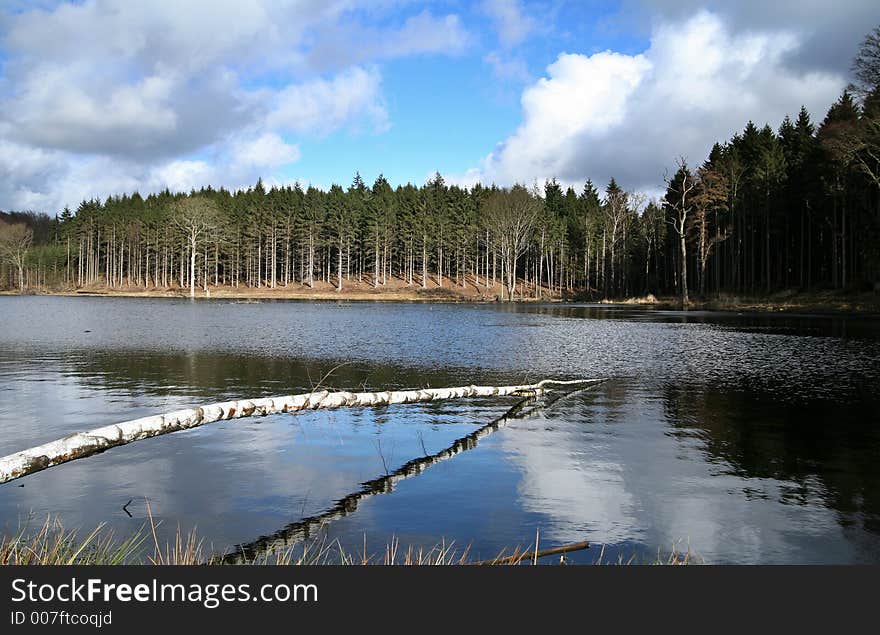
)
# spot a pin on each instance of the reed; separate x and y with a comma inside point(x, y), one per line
point(52, 544)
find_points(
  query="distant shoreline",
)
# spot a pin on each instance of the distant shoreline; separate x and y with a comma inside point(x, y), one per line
point(814, 302)
point(822, 302)
point(398, 292)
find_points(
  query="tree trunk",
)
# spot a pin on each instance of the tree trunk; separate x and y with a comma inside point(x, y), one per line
point(339, 268)
point(192, 267)
point(684, 286)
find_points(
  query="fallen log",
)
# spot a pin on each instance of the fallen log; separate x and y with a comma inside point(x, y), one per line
point(517, 558)
point(82, 444)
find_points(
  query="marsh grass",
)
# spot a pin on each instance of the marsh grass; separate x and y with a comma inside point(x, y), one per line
point(675, 557)
point(52, 544)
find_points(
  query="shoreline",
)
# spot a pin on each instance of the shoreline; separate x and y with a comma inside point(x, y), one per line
point(820, 302)
point(359, 293)
point(785, 302)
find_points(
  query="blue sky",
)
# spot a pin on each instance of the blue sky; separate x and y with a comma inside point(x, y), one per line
point(107, 96)
point(449, 110)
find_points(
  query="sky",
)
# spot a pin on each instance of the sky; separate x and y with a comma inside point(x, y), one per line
point(103, 97)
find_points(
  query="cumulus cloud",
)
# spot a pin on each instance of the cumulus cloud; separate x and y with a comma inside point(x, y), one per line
point(267, 150)
point(38, 178)
point(322, 106)
point(629, 116)
point(25, 172)
point(829, 36)
point(103, 96)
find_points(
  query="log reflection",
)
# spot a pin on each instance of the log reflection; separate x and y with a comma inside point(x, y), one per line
point(300, 531)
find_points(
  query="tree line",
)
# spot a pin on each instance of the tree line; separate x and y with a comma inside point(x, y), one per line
point(797, 207)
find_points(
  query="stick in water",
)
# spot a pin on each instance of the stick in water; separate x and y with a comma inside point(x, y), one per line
point(519, 557)
point(83, 444)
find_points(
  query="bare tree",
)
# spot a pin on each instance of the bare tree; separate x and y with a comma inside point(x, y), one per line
point(867, 147)
point(866, 68)
point(511, 215)
point(15, 241)
point(866, 65)
point(679, 195)
point(195, 217)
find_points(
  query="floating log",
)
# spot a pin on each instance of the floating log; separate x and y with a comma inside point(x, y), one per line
point(82, 444)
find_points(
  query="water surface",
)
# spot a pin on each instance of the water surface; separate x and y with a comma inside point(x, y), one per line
point(743, 437)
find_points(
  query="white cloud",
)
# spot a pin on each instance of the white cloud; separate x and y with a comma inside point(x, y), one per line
point(181, 176)
point(829, 35)
point(423, 33)
point(322, 106)
point(35, 177)
point(56, 108)
point(513, 26)
point(25, 171)
point(629, 116)
point(188, 36)
point(511, 22)
point(268, 150)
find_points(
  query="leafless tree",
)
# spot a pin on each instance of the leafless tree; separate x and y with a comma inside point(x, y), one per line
point(866, 65)
point(511, 215)
point(679, 198)
point(866, 68)
point(195, 217)
point(15, 241)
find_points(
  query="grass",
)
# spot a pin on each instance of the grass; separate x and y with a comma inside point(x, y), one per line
point(51, 544)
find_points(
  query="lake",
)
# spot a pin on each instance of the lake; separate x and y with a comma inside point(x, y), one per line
point(743, 438)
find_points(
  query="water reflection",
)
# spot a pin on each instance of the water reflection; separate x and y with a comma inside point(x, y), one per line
point(285, 539)
point(609, 471)
point(824, 452)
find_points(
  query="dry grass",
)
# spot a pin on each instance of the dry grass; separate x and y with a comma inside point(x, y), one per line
point(675, 557)
point(51, 544)
point(394, 289)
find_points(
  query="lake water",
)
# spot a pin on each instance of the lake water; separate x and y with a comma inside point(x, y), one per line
point(744, 438)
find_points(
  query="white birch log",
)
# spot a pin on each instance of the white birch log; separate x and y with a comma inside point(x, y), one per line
point(83, 444)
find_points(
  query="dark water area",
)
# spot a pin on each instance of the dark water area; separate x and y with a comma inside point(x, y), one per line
point(745, 438)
